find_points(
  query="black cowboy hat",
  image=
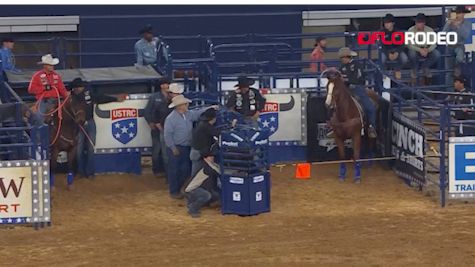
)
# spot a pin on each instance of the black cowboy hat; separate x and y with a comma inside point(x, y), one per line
point(320, 38)
point(244, 81)
point(388, 18)
point(461, 9)
point(146, 29)
point(77, 82)
point(163, 80)
point(420, 17)
point(208, 115)
point(460, 79)
point(8, 40)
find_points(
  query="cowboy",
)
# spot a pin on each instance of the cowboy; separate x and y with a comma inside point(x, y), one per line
point(353, 73)
point(155, 114)
point(146, 48)
point(318, 55)
point(425, 51)
point(465, 113)
point(7, 58)
point(47, 85)
point(177, 133)
point(246, 100)
point(86, 140)
point(203, 141)
point(392, 52)
point(463, 28)
point(201, 189)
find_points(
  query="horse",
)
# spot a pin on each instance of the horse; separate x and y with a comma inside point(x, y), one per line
point(347, 121)
point(67, 121)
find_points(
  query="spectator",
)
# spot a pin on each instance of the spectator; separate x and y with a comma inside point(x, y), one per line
point(466, 113)
point(177, 133)
point(7, 58)
point(146, 48)
point(201, 188)
point(392, 53)
point(85, 147)
point(463, 28)
point(428, 53)
point(246, 100)
point(47, 85)
point(203, 140)
point(155, 113)
point(318, 55)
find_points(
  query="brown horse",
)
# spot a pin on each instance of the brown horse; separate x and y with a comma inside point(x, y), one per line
point(64, 129)
point(347, 121)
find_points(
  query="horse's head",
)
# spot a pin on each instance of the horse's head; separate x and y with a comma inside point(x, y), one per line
point(76, 107)
point(335, 85)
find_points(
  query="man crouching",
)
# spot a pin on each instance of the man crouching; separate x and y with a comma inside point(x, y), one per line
point(201, 189)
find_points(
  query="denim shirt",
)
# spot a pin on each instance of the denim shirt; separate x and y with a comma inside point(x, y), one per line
point(463, 31)
point(179, 127)
point(7, 60)
point(146, 51)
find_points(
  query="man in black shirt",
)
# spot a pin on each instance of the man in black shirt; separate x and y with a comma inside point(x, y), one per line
point(203, 141)
point(85, 149)
point(246, 100)
point(466, 113)
point(392, 52)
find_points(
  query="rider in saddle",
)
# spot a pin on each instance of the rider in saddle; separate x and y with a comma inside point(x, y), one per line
point(353, 74)
point(47, 85)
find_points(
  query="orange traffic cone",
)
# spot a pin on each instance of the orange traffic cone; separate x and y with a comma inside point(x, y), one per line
point(302, 171)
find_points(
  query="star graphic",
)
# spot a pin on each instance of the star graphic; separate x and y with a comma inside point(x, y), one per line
point(131, 135)
point(272, 129)
point(117, 135)
point(131, 124)
point(124, 129)
point(272, 119)
point(9, 220)
point(117, 125)
point(265, 124)
point(18, 220)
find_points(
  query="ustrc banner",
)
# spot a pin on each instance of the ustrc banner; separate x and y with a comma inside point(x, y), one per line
point(122, 125)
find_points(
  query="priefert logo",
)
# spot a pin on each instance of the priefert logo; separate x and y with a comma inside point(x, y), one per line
point(408, 38)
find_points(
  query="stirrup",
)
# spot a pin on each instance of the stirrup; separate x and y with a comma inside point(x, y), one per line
point(372, 132)
point(331, 134)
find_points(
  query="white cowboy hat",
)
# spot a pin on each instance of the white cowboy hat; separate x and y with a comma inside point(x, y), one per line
point(179, 100)
point(346, 52)
point(176, 88)
point(48, 60)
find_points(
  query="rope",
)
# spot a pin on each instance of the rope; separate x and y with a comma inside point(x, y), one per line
point(82, 129)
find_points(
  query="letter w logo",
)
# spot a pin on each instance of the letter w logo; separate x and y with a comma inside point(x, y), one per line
point(16, 190)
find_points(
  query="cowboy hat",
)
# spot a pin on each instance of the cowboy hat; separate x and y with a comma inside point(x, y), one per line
point(48, 60)
point(179, 100)
point(163, 80)
point(78, 82)
point(388, 18)
point(176, 88)
point(146, 29)
point(346, 52)
point(208, 115)
point(461, 9)
point(420, 17)
point(244, 81)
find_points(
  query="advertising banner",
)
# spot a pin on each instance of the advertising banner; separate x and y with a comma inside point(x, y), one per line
point(462, 167)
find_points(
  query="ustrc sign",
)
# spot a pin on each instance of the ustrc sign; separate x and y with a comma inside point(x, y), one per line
point(408, 38)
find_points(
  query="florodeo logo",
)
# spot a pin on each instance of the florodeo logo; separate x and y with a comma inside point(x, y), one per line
point(408, 38)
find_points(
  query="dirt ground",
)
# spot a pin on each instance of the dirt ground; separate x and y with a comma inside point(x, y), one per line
point(121, 220)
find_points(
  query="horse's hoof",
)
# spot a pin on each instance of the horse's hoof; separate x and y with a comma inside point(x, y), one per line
point(357, 180)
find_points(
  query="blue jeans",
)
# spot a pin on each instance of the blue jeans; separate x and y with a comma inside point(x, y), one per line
point(159, 153)
point(368, 106)
point(454, 61)
point(429, 61)
point(398, 64)
point(85, 151)
point(179, 169)
point(43, 107)
point(199, 198)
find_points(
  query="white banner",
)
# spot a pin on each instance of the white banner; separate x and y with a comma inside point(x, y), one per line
point(122, 125)
point(282, 116)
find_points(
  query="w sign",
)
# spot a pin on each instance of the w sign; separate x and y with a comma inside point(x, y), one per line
point(24, 192)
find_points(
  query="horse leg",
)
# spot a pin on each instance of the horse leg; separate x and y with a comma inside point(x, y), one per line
point(341, 152)
point(70, 176)
point(356, 156)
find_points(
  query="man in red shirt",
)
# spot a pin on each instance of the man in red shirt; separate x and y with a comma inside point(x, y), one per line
point(47, 85)
point(318, 55)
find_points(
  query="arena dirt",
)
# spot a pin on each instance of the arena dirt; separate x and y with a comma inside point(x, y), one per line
point(121, 220)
